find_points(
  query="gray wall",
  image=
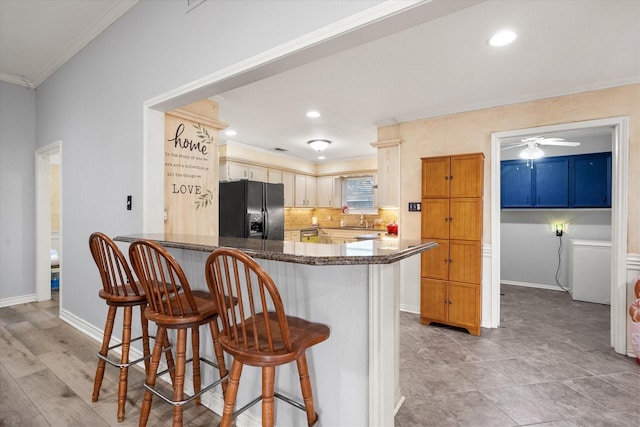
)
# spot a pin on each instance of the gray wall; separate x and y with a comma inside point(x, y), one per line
point(93, 104)
point(529, 247)
point(17, 184)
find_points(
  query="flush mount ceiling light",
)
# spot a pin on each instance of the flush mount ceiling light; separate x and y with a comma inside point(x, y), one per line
point(313, 114)
point(502, 38)
point(319, 144)
point(532, 151)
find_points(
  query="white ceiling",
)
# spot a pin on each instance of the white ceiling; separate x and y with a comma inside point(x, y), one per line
point(438, 67)
point(39, 36)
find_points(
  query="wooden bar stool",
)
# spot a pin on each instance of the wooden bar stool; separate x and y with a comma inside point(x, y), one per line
point(258, 332)
point(173, 305)
point(119, 290)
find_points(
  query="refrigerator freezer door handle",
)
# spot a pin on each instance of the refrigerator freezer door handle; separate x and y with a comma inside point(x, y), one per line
point(265, 224)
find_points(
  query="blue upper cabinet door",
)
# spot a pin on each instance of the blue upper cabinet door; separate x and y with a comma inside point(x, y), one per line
point(551, 183)
point(591, 176)
point(515, 184)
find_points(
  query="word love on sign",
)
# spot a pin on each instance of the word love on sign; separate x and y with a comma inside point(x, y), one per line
point(186, 189)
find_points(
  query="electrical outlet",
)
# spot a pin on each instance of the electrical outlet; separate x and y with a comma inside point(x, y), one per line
point(415, 206)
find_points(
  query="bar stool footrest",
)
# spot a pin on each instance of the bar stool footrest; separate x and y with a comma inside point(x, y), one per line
point(190, 398)
point(122, 365)
point(125, 365)
point(279, 396)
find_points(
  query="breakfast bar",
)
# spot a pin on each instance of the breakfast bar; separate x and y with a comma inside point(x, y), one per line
point(354, 289)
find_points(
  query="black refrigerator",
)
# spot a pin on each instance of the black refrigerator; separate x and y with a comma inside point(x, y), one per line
point(252, 209)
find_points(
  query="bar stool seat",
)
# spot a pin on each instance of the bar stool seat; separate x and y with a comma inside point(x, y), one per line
point(172, 305)
point(257, 332)
point(119, 290)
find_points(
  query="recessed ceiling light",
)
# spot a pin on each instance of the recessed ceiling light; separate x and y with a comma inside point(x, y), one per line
point(321, 157)
point(230, 132)
point(313, 114)
point(502, 38)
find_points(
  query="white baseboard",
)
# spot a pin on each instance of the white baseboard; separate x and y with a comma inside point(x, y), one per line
point(532, 285)
point(22, 299)
point(414, 309)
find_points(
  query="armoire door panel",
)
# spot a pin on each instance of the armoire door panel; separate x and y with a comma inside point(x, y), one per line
point(435, 177)
point(464, 307)
point(435, 262)
point(465, 263)
point(433, 299)
point(466, 178)
point(435, 219)
point(465, 219)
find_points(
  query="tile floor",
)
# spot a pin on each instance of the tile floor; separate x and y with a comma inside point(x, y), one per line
point(549, 364)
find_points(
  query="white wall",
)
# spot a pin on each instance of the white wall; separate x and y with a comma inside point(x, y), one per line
point(529, 247)
point(17, 200)
point(94, 104)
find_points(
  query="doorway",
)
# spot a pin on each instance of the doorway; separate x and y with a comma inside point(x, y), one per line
point(619, 127)
point(45, 158)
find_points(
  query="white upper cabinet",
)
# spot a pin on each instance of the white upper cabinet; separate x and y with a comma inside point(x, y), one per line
point(289, 185)
point(232, 170)
point(388, 175)
point(305, 191)
point(329, 194)
point(275, 176)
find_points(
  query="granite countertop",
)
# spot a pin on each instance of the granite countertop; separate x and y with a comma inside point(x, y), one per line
point(361, 252)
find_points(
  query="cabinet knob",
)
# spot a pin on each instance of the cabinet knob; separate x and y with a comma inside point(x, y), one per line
point(450, 176)
point(446, 178)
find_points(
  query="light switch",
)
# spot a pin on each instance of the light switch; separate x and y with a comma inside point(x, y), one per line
point(415, 206)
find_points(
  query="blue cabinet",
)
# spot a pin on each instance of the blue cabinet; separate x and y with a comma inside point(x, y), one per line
point(551, 188)
point(591, 181)
point(582, 181)
point(515, 184)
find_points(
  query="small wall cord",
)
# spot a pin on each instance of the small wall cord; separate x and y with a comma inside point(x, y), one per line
point(558, 269)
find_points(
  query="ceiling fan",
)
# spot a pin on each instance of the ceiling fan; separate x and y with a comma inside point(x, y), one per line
point(533, 150)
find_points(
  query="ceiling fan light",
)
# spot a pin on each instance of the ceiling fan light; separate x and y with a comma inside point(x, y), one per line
point(532, 152)
point(319, 144)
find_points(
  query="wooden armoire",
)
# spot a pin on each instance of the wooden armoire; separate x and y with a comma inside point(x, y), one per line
point(451, 273)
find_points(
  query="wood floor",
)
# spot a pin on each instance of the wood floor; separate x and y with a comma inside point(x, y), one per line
point(549, 364)
point(46, 377)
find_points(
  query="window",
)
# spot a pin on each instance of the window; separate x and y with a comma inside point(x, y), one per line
point(357, 193)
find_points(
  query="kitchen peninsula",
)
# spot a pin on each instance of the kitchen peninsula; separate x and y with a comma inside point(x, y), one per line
point(354, 289)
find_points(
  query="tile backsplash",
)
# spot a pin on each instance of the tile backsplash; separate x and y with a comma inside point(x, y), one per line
point(330, 218)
